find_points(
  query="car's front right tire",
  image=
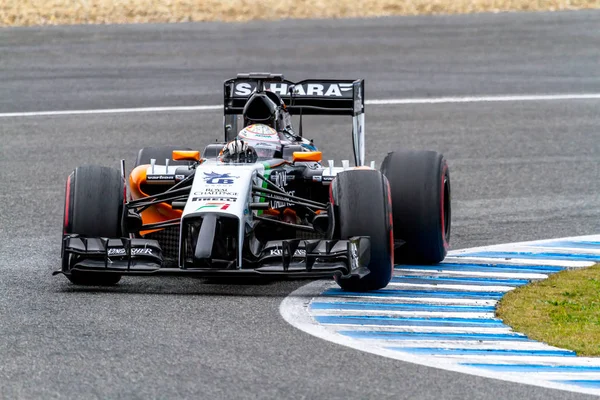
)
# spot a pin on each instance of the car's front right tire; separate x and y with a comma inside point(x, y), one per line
point(94, 199)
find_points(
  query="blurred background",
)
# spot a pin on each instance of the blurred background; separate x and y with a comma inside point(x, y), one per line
point(52, 12)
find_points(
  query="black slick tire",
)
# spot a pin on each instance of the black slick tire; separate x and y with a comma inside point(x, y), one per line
point(420, 188)
point(362, 207)
point(93, 208)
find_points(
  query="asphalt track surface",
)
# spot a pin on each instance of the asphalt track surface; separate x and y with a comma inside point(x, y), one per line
point(520, 171)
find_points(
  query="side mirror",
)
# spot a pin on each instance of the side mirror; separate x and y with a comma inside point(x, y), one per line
point(186, 155)
point(314, 156)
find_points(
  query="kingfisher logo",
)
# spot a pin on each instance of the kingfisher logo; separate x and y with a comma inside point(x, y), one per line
point(219, 179)
point(119, 251)
point(214, 206)
point(325, 89)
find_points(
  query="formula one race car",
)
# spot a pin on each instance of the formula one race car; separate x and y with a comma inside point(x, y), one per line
point(261, 202)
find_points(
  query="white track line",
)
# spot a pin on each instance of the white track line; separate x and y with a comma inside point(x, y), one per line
point(413, 300)
point(487, 99)
point(517, 262)
point(376, 102)
point(465, 288)
point(563, 249)
point(423, 329)
point(443, 272)
point(466, 344)
point(409, 300)
point(111, 111)
point(406, 314)
point(501, 359)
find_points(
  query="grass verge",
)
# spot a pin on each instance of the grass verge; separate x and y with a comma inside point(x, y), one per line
point(57, 12)
point(563, 310)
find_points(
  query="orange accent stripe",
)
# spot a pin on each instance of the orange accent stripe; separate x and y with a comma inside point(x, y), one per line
point(160, 212)
point(271, 211)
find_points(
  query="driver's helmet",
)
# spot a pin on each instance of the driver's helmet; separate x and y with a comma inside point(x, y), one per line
point(263, 139)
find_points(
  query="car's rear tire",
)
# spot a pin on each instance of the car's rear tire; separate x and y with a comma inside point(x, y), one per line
point(160, 154)
point(420, 189)
point(362, 207)
point(93, 208)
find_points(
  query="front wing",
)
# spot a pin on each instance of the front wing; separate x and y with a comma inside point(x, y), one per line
point(286, 258)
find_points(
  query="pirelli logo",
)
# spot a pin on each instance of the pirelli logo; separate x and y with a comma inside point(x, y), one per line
point(207, 198)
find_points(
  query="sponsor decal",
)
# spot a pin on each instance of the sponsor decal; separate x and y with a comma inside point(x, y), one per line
point(120, 251)
point(328, 178)
point(179, 177)
point(317, 178)
point(261, 129)
point(325, 89)
point(214, 206)
point(260, 136)
point(160, 177)
point(208, 198)
point(215, 191)
point(214, 178)
point(282, 203)
point(297, 253)
point(273, 146)
point(279, 178)
point(259, 132)
point(256, 136)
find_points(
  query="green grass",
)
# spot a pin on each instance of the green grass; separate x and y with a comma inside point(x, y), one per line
point(563, 310)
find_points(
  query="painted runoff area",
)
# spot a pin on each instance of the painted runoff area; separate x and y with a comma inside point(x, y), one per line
point(443, 315)
point(375, 102)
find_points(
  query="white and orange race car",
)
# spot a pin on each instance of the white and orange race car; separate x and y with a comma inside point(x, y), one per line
point(262, 202)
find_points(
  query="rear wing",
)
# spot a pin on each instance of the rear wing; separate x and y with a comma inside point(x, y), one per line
point(307, 97)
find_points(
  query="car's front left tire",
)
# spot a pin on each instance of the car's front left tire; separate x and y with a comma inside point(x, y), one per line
point(363, 208)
